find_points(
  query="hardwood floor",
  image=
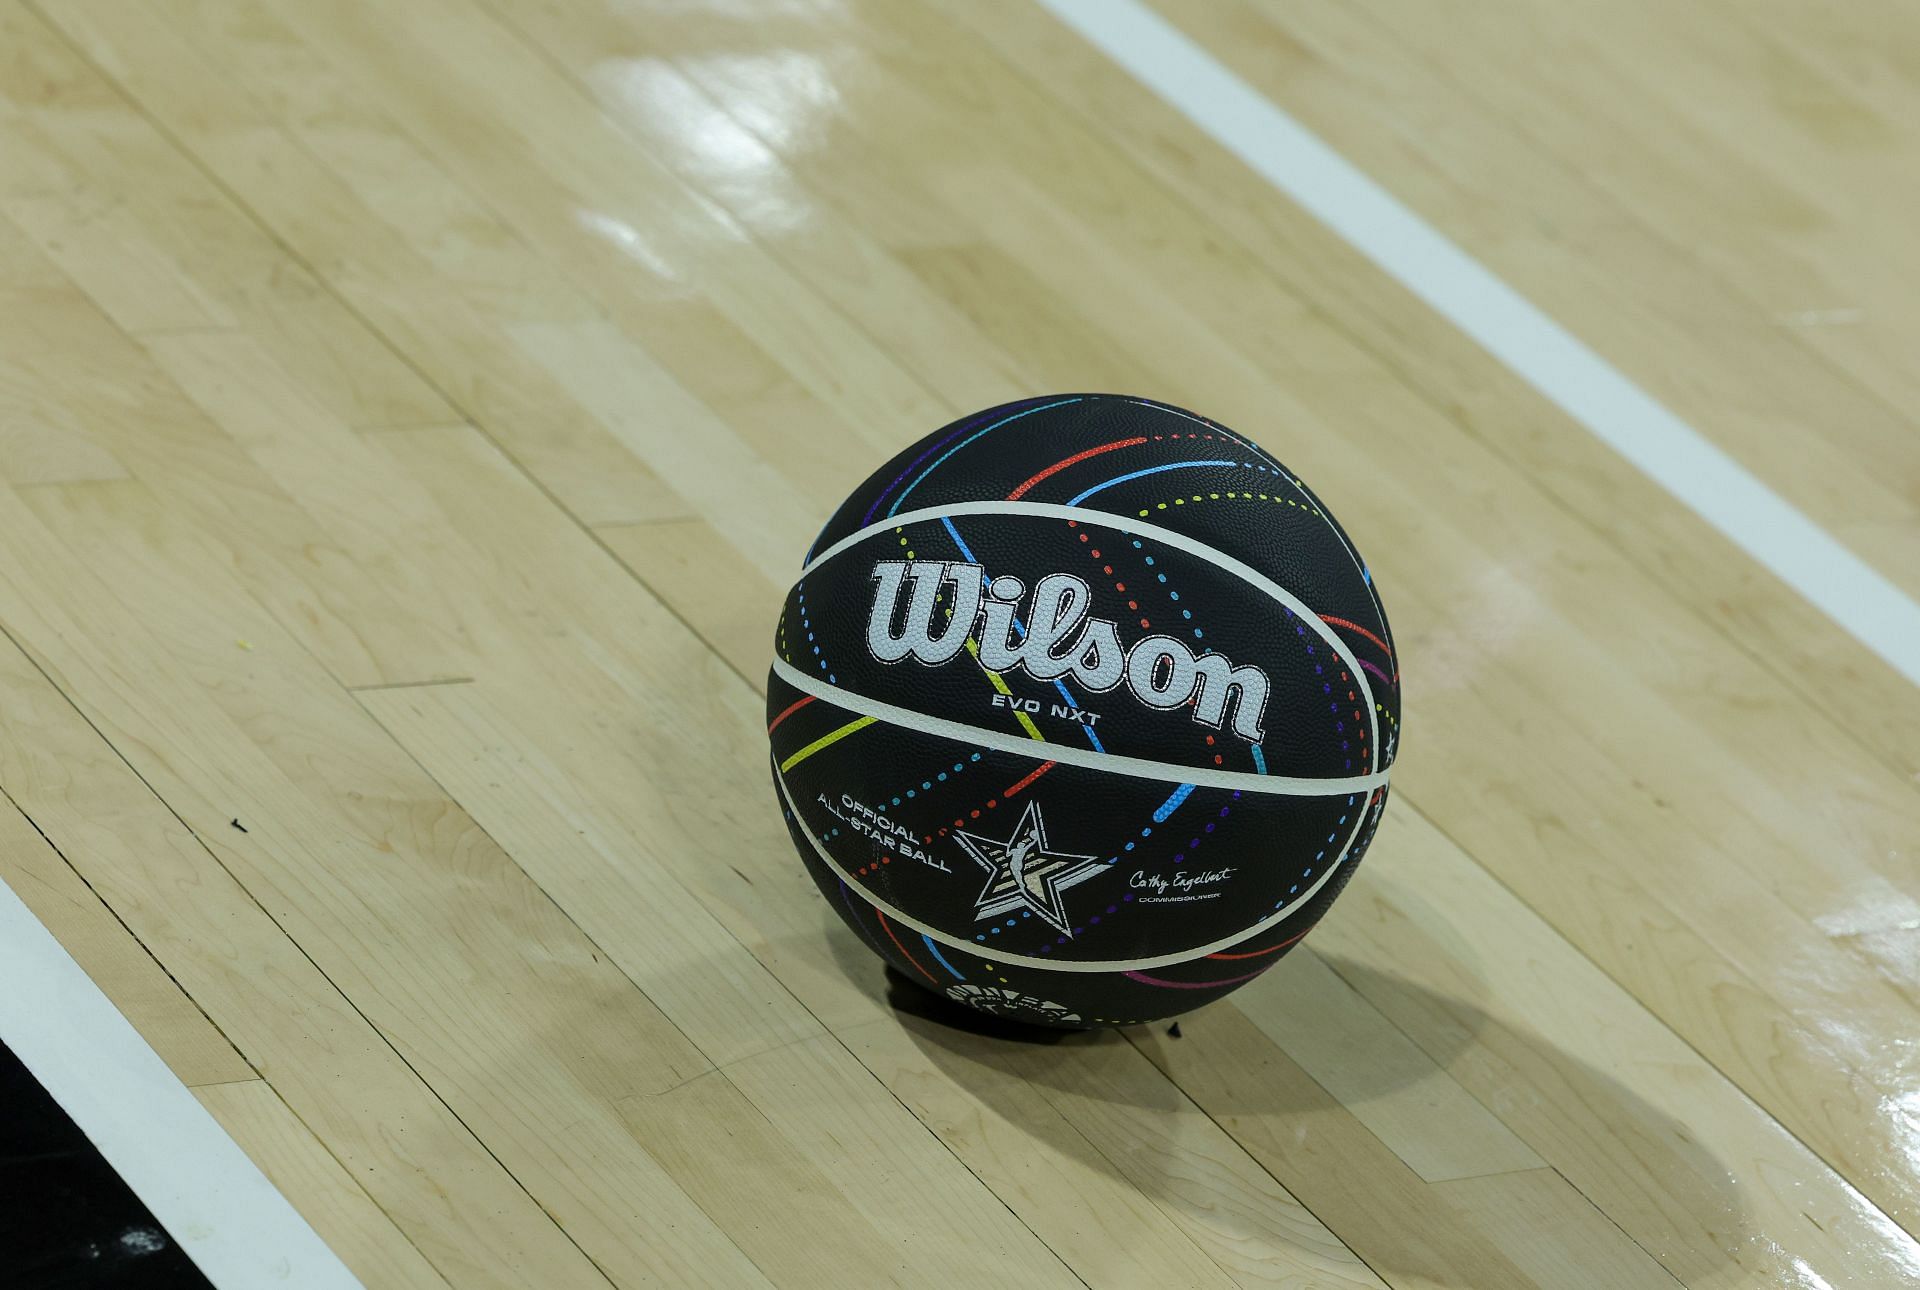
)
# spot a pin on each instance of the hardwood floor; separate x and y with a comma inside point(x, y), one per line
point(412, 413)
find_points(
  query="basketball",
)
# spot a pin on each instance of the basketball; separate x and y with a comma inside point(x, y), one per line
point(1082, 710)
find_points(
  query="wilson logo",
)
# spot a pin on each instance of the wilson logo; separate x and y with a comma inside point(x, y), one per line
point(1060, 640)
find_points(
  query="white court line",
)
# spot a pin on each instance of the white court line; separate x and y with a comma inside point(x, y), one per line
point(217, 1205)
point(1541, 352)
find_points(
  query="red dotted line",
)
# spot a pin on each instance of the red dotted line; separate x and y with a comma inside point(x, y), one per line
point(1012, 790)
point(1107, 569)
point(1134, 604)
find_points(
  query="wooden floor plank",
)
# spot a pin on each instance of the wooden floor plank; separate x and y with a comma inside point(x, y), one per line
point(180, 253)
point(1157, 1188)
point(1412, 1105)
point(230, 463)
point(191, 1045)
point(418, 1162)
point(1665, 1145)
point(748, 307)
point(1643, 290)
point(312, 777)
point(1556, 1234)
point(328, 1197)
point(1788, 222)
point(438, 280)
point(1664, 539)
point(762, 1188)
point(692, 568)
point(1409, 1232)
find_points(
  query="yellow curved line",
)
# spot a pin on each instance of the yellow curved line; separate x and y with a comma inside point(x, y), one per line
point(1026, 722)
point(832, 736)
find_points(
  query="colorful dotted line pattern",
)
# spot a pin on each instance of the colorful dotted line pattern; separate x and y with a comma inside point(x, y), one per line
point(806, 626)
point(993, 803)
point(1309, 507)
point(1193, 844)
point(1092, 921)
point(1121, 587)
point(926, 785)
point(1160, 577)
point(1326, 688)
point(1322, 853)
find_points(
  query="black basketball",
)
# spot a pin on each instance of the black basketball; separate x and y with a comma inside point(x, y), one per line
point(1082, 710)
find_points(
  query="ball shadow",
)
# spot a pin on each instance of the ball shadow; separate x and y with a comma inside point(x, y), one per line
point(1268, 1100)
point(912, 999)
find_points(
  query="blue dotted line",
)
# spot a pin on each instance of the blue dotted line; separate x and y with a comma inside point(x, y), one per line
point(1144, 834)
point(940, 778)
point(807, 627)
point(1161, 577)
point(1322, 853)
point(1025, 913)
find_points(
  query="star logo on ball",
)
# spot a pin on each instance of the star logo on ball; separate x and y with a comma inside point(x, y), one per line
point(1023, 873)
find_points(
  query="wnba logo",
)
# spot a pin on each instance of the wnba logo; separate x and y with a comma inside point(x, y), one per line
point(1060, 640)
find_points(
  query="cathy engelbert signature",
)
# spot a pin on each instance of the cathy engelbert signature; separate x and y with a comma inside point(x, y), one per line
point(1181, 884)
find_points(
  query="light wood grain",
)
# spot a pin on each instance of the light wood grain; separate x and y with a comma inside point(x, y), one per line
point(299, 1164)
point(397, 851)
point(409, 414)
point(402, 1145)
point(1112, 1166)
point(1424, 351)
point(190, 1044)
point(1556, 1233)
